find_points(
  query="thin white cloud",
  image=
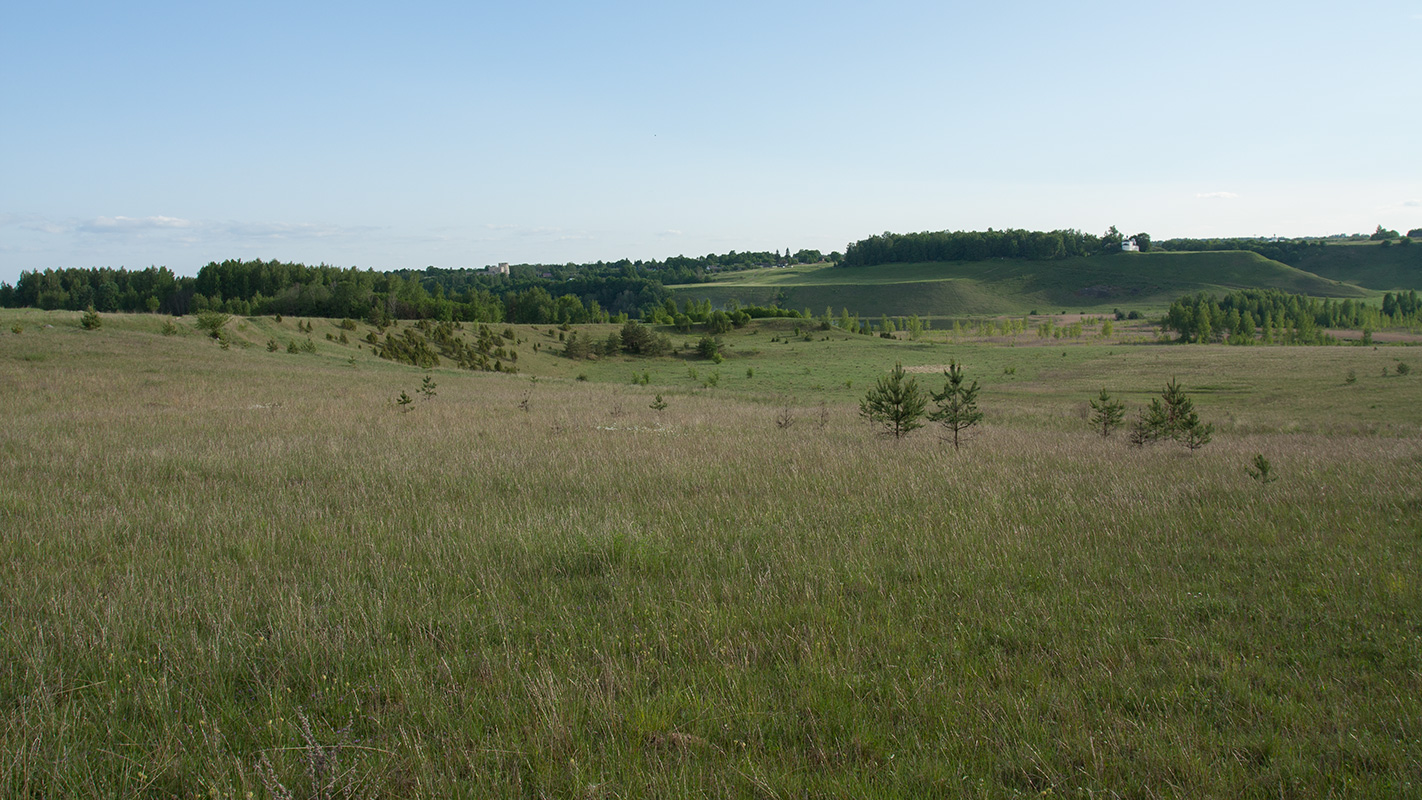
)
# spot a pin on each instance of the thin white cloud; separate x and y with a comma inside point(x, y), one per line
point(193, 230)
point(117, 224)
point(1217, 195)
point(669, 233)
point(1412, 203)
point(33, 222)
point(281, 230)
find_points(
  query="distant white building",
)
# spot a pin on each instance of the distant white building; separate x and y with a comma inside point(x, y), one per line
point(1130, 246)
point(501, 269)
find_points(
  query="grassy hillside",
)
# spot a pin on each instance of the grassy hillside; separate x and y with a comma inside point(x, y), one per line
point(1369, 264)
point(1130, 280)
point(240, 573)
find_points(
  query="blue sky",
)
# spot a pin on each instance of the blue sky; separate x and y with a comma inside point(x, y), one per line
point(463, 134)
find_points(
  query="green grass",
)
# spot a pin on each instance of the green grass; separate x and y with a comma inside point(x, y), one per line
point(1012, 286)
point(1370, 265)
point(224, 571)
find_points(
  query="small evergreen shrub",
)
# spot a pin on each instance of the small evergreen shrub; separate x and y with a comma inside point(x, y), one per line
point(212, 322)
point(1261, 470)
point(1107, 413)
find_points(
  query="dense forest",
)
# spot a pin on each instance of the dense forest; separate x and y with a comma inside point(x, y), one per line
point(910, 248)
point(1270, 315)
point(154, 289)
point(530, 293)
point(928, 246)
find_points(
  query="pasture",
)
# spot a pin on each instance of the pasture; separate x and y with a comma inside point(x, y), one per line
point(233, 573)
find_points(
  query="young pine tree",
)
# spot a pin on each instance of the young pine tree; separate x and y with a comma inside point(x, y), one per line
point(1172, 416)
point(1107, 414)
point(957, 404)
point(1183, 421)
point(896, 402)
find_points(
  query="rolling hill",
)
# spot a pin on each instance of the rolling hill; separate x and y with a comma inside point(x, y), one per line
point(1012, 286)
point(1371, 265)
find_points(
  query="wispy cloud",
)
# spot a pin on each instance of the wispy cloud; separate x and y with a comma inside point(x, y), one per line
point(1412, 203)
point(284, 230)
point(1217, 195)
point(32, 222)
point(670, 233)
point(193, 230)
point(128, 224)
point(111, 231)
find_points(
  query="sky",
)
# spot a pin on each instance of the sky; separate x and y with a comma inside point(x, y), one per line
point(391, 136)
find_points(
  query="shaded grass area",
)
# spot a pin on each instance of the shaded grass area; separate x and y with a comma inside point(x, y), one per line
point(1094, 283)
point(1370, 265)
point(234, 571)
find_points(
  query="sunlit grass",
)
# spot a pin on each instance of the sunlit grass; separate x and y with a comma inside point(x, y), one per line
point(223, 572)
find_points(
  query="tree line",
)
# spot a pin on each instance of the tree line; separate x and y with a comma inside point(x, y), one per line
point(155, 289)
point(1285, 251)
point(1273, 316)
point(529, 293)
point(929, 246)
point(910, 248)
point(273, 287)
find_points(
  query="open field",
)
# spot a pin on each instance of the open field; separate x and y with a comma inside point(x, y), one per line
point(237, 571)
point(1015, 286)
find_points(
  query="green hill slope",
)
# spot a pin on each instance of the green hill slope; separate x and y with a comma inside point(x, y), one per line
point(1014, 286)
point(1369, 264)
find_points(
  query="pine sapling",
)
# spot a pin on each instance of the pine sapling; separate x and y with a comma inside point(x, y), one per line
point(957, 404)
point(896, 402)
point(1261, 470)
point(1107, 414)
point(785, 418)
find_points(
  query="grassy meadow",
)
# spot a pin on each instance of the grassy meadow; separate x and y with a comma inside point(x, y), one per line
point(1370, 264)
point(1015, 286)
point(234, 572)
